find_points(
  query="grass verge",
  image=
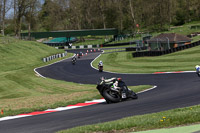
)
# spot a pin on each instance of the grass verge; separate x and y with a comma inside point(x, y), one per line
point(170, 118)
point(123, 62)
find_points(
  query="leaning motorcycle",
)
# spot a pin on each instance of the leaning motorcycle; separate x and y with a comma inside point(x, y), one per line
point(114, 95)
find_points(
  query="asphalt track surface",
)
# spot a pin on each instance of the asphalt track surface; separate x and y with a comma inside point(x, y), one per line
point(174, 90)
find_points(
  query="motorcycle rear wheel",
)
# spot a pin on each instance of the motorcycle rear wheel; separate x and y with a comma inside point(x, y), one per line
point(111, 96)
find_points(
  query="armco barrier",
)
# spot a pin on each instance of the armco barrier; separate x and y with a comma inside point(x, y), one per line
point(135, 48)
point(118, 44)
point(158, 53)
point(49, 58)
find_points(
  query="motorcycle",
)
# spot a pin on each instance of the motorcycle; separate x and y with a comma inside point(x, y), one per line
point(100, 68)
point(115, 94)
point(197, 67)
point(73, 61)
point(80, 54)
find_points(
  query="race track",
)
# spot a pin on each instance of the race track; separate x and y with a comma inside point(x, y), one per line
point(173, 90)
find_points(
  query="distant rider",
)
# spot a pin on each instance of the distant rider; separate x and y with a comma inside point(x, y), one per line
point(100, 66)
point(100, 63)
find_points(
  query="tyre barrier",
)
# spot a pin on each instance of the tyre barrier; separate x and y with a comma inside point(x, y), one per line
point(81, 46)
point(49, 58)
point(159, 53)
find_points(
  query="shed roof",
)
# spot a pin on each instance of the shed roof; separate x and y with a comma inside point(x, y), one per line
point(171, 37)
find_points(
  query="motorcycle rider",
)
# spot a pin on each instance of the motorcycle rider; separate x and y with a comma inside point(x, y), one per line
point(116, 86)
point(100, 63)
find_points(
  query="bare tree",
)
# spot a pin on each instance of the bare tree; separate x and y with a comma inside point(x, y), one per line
point(5, 7)
point(21, 7)
point(31, 11)
point(132, 12)
point(102, 4)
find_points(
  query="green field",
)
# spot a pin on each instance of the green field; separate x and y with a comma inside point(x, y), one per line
point(123, 62)
point(22, 91)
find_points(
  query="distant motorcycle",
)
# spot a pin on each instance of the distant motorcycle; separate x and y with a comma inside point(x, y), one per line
point(74, 60)
point(100, 68)
point(80, 54)
point(115, 94)
point(197, 67)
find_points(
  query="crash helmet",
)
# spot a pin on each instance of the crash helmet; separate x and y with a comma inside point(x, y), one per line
point(119, 79)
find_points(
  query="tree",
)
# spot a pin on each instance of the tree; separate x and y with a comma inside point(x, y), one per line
point(51, 15)
point(132, 12)
point(5, 7)
point(94, 14)
point(30, 14)
point(21, 7)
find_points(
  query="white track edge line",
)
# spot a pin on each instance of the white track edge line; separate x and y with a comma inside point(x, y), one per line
point(147, 89)
point(48, 65)
point(13, 117)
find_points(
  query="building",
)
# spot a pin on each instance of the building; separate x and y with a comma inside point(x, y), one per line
point(166, 41)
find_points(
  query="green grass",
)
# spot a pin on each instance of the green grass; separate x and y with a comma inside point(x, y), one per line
point(196, 38)
point(185, 29)
point(123, 62)
point(22, 91)
point(170, 118)
point(113, 50)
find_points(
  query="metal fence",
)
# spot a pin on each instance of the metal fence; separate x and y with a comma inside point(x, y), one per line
point(168, 51)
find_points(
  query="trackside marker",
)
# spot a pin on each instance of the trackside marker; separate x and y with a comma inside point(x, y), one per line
point(83, 104)
point(38, 113)
point(1, 111)
point(173, 72)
